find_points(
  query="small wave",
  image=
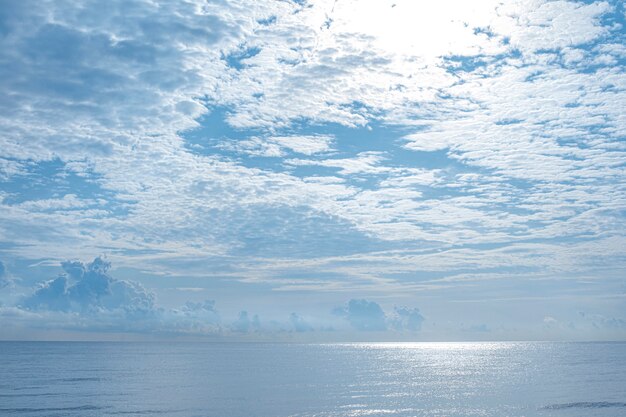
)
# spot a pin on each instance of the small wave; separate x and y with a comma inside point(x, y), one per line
point(586, 404)
point(49, 409)
point(43, 394)
point(80, 379)
point(142, 412)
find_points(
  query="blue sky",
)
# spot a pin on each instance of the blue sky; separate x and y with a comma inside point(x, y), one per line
point(323, 170)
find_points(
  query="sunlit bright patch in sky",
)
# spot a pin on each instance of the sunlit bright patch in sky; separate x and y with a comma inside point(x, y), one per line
point(324, 170)
point(423, 30)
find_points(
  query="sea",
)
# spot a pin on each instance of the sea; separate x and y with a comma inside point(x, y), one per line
point(312, 380)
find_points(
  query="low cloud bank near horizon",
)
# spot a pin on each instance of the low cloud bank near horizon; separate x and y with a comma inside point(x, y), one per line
point(365, 315)
point(85, 297)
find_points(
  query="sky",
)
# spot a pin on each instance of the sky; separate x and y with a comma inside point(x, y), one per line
point(313, 170)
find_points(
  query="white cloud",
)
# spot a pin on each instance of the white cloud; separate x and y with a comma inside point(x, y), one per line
point(5, 277)
point(307, 145)
point(527, 117)
point(363, 315)
point(88, 289)
point(276, 146)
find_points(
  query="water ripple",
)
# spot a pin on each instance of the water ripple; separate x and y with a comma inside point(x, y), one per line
point(49, 409)
point(586, 404)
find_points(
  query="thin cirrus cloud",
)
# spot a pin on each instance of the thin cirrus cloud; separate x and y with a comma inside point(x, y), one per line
point(343, 148)
point(5, 278)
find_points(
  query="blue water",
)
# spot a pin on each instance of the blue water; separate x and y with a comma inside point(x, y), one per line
point(276, 380)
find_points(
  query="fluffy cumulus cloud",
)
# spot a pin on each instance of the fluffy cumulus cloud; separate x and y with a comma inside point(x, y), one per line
point(85, 297)
point(89, 289)
point(299, 324)
point(407, 319)
point(363, 315)
point(367, 315)
point(200, 318)
point(245, 323)
point(318, 146)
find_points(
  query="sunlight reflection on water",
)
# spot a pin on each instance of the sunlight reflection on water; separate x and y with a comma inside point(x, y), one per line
point(329, 380)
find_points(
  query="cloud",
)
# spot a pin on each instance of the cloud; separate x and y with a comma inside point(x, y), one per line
point(201, 318)
point(407, 319)
point(298, 324)
point(254, 146)
point(277, 146)
point(550, 321)
point(479, 328)
point(497, 83)
point(88, 289)
point(307, 145)
point(86, 297)
point(599, 321)
point(365, 162)
point(545, 26)
point(497, 146)
point(5, 278)
point(135, 71)
point(245, 324)
point(363, 315)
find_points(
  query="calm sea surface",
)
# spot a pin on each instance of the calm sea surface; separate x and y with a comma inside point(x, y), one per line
point(276, 380)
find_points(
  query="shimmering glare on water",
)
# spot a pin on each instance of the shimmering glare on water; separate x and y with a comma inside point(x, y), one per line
point(366, 379)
